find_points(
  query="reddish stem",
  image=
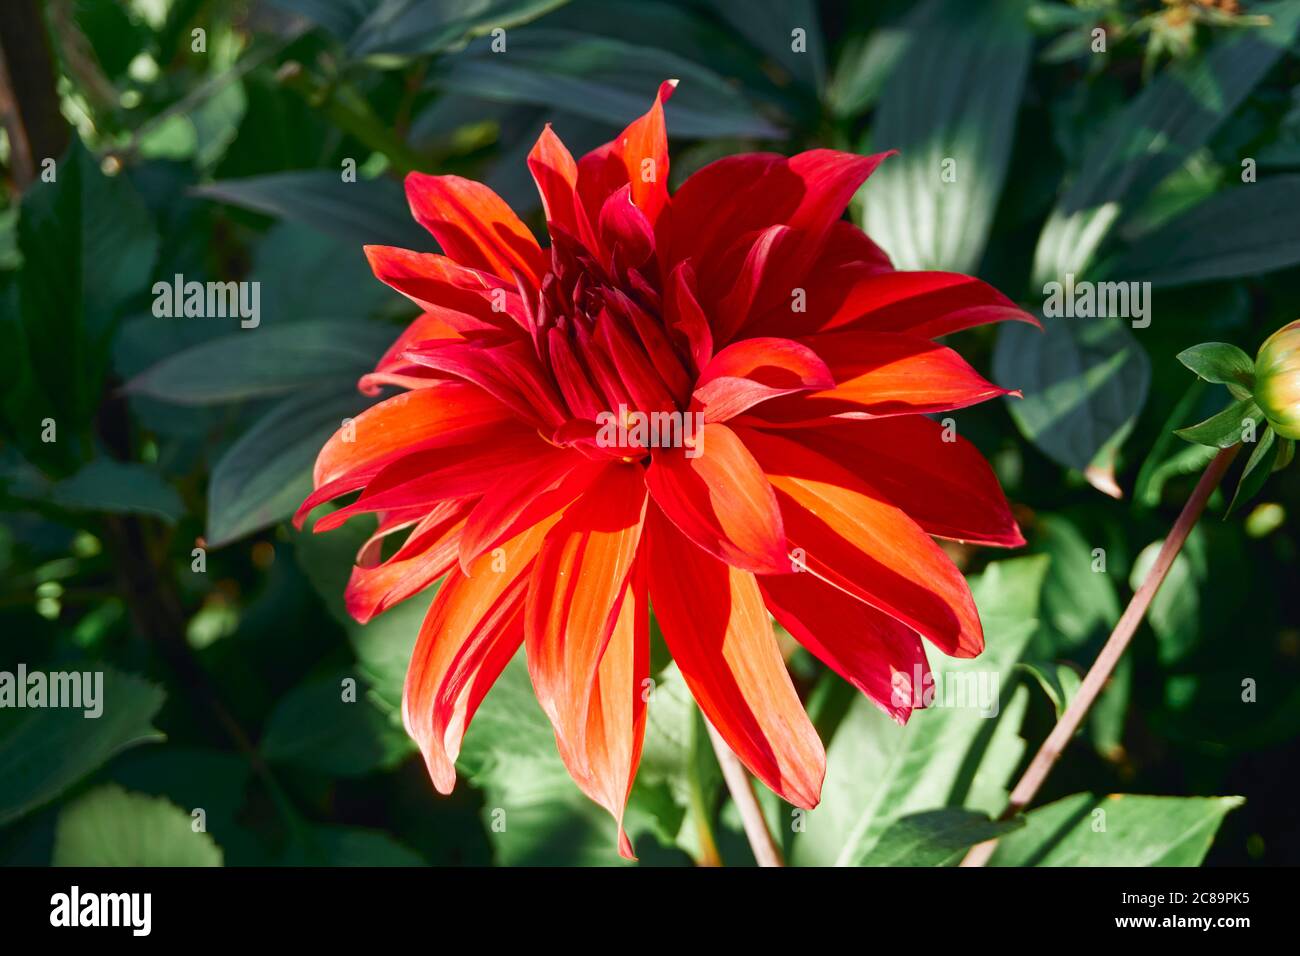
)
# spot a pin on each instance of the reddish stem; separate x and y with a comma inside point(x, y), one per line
point(1110, 655)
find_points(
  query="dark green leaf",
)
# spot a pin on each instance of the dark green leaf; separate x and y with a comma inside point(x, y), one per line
point(1172, 117)
point(1260, 465)
point(118, 488)
point(1226, 428)
point(314, 727)
point(88, 247)
point(428, 26)
point(602, 79)
point(1220, 364)
point(45, 751)
point(1244, 231)
point(1084, 382)
point(266, 473)
point(950, 109)
point(368, 210)
point(262, 362)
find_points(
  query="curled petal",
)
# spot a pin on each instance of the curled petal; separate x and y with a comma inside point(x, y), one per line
point(475, 227)
point(721, 500)
point(719, 633)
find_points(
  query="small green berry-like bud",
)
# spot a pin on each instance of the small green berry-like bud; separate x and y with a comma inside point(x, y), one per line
point(1277, 380)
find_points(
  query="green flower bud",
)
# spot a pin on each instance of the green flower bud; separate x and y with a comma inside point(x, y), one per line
point(1277, 380)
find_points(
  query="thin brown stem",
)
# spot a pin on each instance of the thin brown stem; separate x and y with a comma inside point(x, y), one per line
point(1110, 655)
point(766, 852)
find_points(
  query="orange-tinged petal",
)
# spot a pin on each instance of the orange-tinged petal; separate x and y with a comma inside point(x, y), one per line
point(523, 497)
point(556, 174)
point(868, 548)
point(719, 633)
point(879, 374)
point(475, 226)
point(412, 421)
point(637, 157)
point(941, 480)
point(878, 655)
point(428, 553)
point(573, 598)
point(721, 500)
point(473, 628)
point(605, 767)
point(752, 371)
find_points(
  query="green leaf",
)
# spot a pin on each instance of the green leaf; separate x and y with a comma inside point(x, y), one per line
point(1059, 681)
point(368, 210)
point(1119, 830)
point(1079, 601)
point(1258, 468)
point(45, 751)
point(1226, 428)
point(1220, 364)
point(950, 109)
point(770, 24)
point(946, 756)
point(411, 27)
point(867, 60)
point(117, 487)
point(1245, 231)
point(602, 79)
point(533, 811)
point(934, 837)
point(1084, 382)
point(111, 827)
point(1175, 611)
point(262, 362)
point(266, 473)
point(1172, 117)
point(88, 247)
point(350, 846)
point(314, 728)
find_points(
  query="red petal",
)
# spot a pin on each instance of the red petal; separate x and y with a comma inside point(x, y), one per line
point(507, 368)
point(606, 765)
point(424, 478)
point(924, 304)
point(754, 370)
point(522, 498)
point(465, 299)
point(473, 628)
point(878, 655)
point(408, 422)
point(943, 483)
point(867, 547)
point(684, 315)
point(427, 555)
point(883, 373)
point(719, 633)
point(578, 580)
point(475, 227)
point(623, 161)
point(721, 500)
point(556, 175)
point(752, 191)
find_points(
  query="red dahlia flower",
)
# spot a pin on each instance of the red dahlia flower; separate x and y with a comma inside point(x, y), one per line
point(808, 489)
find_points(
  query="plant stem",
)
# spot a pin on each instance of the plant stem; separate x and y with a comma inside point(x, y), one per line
point(1111, 653)
point(766, 852)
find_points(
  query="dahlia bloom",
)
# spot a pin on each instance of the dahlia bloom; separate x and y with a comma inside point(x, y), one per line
point(809, 492)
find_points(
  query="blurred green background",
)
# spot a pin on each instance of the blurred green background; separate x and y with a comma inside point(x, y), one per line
point(1112, 139)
